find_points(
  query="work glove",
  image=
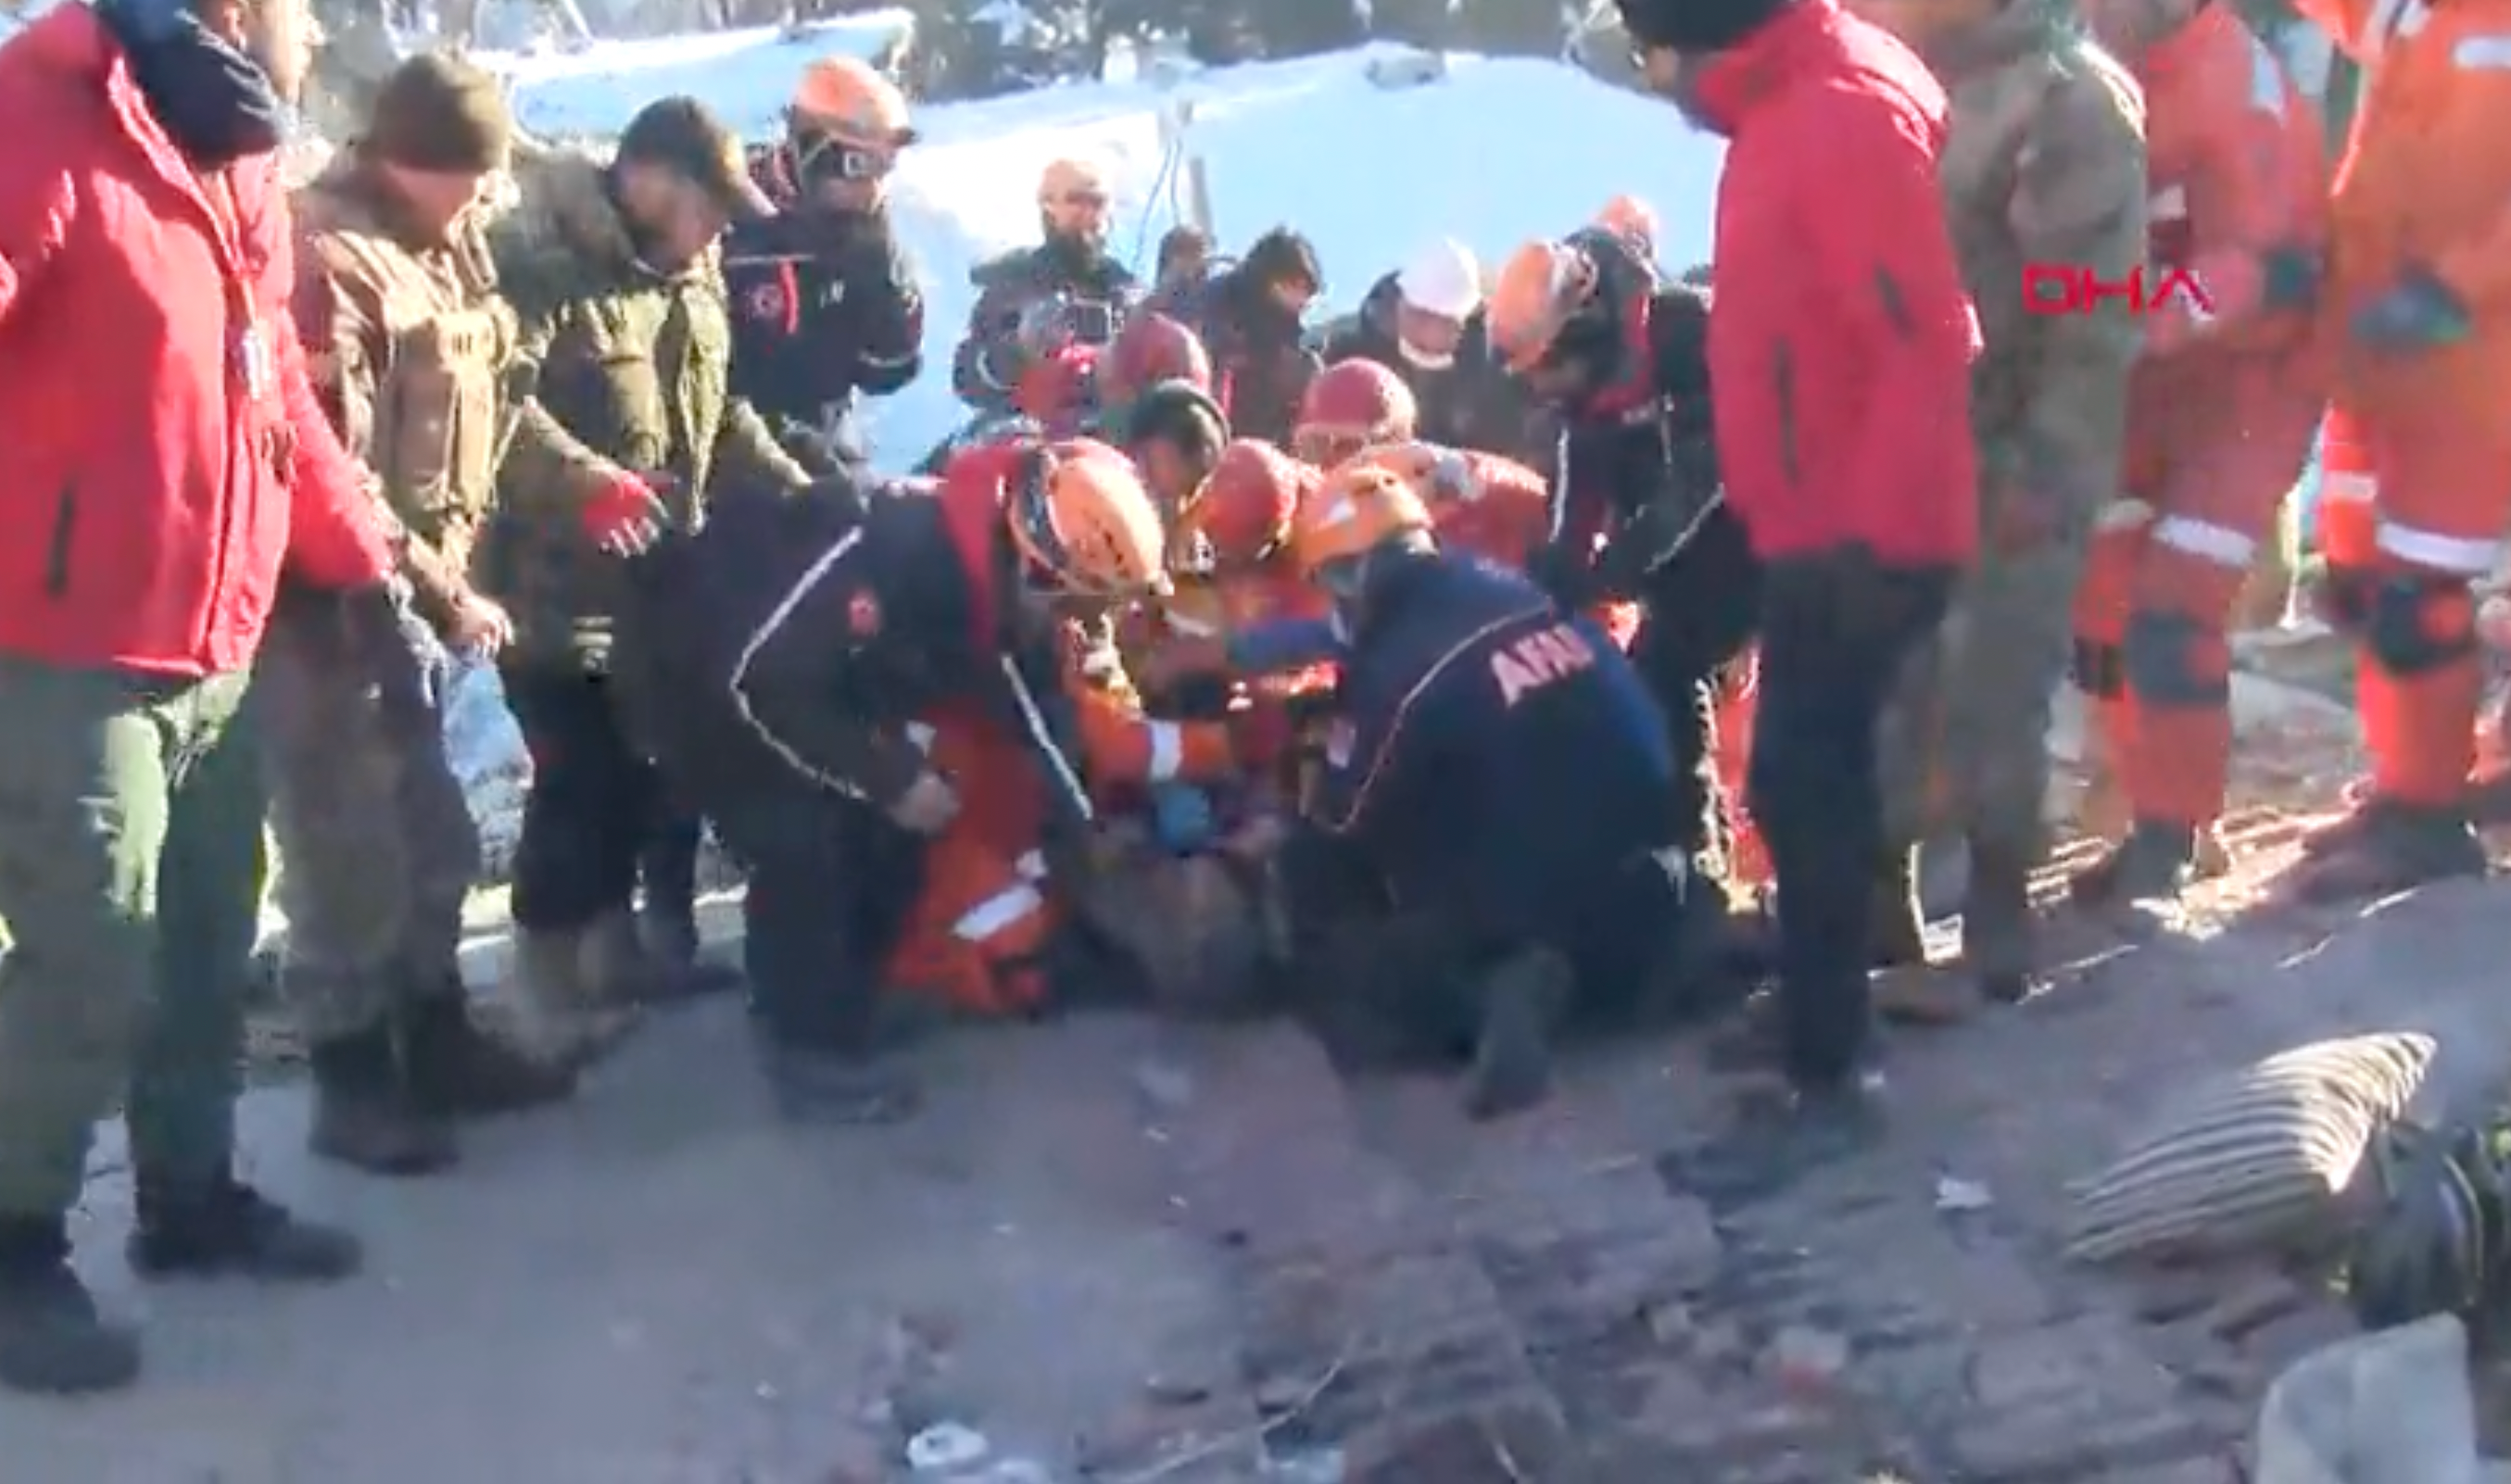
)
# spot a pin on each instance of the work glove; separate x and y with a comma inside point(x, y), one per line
point(1182, 818)
point(927, 806)
point(2418, 313)
point(1262, 732)
point(625, 517)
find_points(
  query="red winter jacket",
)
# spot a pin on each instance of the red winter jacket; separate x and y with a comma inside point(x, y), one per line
point(151, 495)
point(1841, 341)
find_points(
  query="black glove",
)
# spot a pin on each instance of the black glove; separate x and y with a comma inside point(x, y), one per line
point(1566, 573)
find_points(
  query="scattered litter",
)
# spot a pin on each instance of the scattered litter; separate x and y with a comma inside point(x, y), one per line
point(1955, 1193)
point(1805, 1358)
point(946, 1446)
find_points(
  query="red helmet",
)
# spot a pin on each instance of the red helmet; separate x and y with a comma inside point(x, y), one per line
point(1350, 405)
point(1246, 507)
point(1150, 349)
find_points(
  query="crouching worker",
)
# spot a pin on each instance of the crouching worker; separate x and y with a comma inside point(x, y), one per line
point(799, 665)
point(1497, 774)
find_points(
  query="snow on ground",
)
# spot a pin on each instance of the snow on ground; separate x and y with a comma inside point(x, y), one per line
point(1368, 171)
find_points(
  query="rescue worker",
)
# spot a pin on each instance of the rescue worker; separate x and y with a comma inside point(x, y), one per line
point(396, 300)
point(1353, 405)
point(170, 458)
point(1151, 350)
point(2417, 458)
point(2044, 167)
point(825, 304)
point(2223, 409)
point(1174, 432)
point(1637, 511)
point(1231, 566)
point(1185, 264)
point(1033, 301)
point(614, 274)
point(1494, 773)
point(803, 641)
point(1425, 324)
point(1841, 350)
point(1250, 317)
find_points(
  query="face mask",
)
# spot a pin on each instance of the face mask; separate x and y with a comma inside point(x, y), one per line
point(1428, 361)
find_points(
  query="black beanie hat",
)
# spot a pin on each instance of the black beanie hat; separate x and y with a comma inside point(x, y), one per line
point(1695, 26)
point(440, 113)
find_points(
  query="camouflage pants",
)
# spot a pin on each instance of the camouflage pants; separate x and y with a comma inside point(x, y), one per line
point(376, 841)
point(1966, 741)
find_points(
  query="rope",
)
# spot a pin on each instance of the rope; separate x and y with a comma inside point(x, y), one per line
point(1164, 183)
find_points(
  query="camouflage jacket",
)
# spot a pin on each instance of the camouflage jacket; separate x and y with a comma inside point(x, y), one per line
point(635, 366)
point(2045, 165)
point(410, 349)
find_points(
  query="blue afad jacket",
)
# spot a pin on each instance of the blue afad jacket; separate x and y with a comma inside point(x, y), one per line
point(1492, 757)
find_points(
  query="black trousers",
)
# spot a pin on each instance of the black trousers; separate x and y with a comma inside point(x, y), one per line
point(1830, 647)
point(1701, 610)
point(831, 885)
point(594, 805)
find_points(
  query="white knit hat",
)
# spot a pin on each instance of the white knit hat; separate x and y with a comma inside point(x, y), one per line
point(1442, 279)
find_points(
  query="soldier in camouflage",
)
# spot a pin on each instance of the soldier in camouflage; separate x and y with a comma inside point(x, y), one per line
point(408, 343)
point(2047, 165)
point(615, 274)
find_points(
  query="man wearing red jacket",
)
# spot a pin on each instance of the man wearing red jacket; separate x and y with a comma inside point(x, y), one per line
point(168, 458)
point(1840, 347)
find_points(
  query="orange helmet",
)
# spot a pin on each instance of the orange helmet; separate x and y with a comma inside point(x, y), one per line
point(1246, 507)
point(1150, 349)
point(1353, 509)
point(849, 101)
point(1082, 521)
point(1349, 405)
point(1540, 289)
point(1630, 218)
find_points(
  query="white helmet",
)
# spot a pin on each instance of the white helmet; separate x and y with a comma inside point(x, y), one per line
point(1444, 281)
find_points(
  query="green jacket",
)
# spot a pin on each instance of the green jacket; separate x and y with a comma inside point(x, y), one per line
point(2045, 162)
point(633, 365)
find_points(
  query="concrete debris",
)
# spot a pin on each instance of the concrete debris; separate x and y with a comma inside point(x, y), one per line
point(946, 1447)
point(2392, 1407)
point(1954, 1193)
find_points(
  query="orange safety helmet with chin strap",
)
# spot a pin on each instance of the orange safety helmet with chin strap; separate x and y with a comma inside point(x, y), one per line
point(1083, 525)
point(1542, 287)
point(1354, 510)
point(1350, 405)
point(1245, 509)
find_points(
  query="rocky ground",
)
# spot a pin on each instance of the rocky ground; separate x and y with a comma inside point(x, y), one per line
point(1118, 1250)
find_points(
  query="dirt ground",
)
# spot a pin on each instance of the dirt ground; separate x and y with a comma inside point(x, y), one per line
point(1142, 1253)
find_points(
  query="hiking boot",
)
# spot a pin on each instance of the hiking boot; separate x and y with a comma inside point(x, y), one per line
point(558, 1020)
point(365, 1112)
point(1998, 933)
point(1899, 925)
point(1522, 1000)
point(823, 1085)
point(2155, 862)
point(232, 1230)
point(458, 1071)
point(674, 954)
point(53, 1339)
point(2395, 847)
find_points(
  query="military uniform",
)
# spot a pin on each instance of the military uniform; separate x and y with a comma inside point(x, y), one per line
point(2044, 164)
point(409, 346)
point(634, 362)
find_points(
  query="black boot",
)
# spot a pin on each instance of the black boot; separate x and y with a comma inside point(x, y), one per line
point(1900, 926)
point(52, 1338)
point(365, 1112)
point(2154, 862)
point(1520, 1001)
point(229, 1228)
point(458, 1071)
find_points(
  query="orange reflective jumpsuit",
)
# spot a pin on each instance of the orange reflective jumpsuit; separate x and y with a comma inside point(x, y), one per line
point(2418, 450)
point(2221, 412)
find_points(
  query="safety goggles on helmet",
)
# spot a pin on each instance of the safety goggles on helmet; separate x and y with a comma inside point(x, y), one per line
point(825, 157)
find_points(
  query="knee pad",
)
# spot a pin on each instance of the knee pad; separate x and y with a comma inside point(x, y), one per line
point(2098, 670)
point(2165, 663)
point(2418, 622)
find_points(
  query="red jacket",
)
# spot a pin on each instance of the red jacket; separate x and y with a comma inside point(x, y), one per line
point(1841, 341)
point(159, 471)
